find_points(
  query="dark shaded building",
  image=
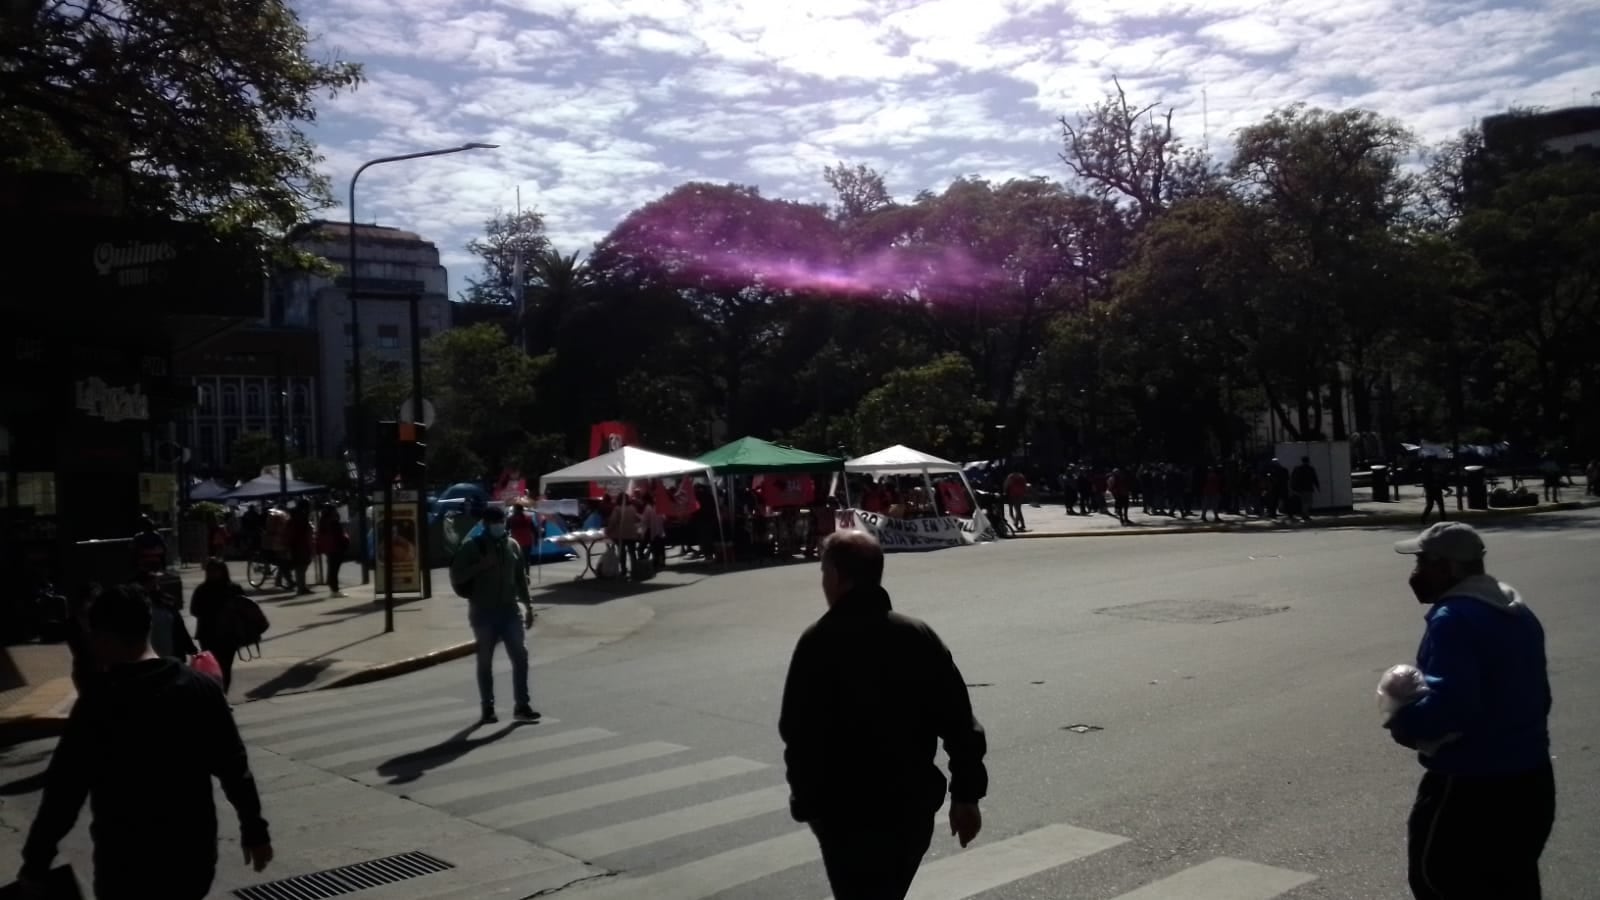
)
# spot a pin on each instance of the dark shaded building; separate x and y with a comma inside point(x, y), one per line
point(90, 399)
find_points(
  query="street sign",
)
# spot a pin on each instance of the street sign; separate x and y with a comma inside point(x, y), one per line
point(407, 410)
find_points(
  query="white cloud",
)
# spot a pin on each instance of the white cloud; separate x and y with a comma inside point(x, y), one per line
point(602, 105)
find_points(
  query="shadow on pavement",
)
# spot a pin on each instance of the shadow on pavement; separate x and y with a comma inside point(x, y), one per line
point(25, 785)
point(408, 767)
point(593, 592)
point(1547, 521)
point(297, 676)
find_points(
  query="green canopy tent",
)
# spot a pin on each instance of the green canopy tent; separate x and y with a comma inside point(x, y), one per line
point(753, 456)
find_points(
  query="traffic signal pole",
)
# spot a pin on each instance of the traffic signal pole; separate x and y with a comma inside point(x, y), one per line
point(423, 526)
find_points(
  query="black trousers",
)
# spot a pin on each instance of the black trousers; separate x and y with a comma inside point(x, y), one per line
point(1479, 838)
point(873, 859)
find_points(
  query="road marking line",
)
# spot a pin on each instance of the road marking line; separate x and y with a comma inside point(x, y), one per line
point(509, 747)
point(581, 799)
point(713, 874)
point(611, 839)
point(988, 866)
point(505, 782)
point(337, 733)
point(292, 720)
point(1222, 879)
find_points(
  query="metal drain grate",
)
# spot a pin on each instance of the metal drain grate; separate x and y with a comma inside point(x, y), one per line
point(346, 879)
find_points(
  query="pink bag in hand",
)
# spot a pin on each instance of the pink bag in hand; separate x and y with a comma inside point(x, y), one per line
point(206, 664)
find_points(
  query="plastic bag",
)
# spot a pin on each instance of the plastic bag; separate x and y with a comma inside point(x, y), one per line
point(1400, 687)
point(206, 664)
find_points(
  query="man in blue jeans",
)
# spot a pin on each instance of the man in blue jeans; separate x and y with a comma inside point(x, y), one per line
point(488, 570)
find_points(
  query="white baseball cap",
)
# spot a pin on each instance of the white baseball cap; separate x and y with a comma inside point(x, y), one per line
point(1453, 541)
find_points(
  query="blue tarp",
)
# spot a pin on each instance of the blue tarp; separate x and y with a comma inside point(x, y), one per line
point(547, 551)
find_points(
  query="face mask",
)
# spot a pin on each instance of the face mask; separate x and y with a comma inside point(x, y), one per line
point(496, 531)
point(1426, 587)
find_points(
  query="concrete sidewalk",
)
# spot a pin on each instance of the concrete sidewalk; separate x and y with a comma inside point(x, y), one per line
point(1051, 520)
point(319, 641)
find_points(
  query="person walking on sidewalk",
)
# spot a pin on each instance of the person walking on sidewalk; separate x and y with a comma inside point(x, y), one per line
point(212, 606)
point(1486, 804)
point(333, 542)
point(1305, 482)
point(489, 570)
point(869, 694)
point(142, 746)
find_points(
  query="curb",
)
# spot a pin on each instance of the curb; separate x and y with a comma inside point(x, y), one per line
point(1366, 521)
point(398, 667)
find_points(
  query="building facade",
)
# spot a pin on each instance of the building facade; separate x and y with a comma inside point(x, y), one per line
point(254, 380)
point(393, 268)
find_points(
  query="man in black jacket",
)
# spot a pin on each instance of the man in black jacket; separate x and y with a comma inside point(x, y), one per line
point(143, 743)
point(870, 693)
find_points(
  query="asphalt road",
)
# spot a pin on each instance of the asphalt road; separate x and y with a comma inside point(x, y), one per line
point(1233, 748)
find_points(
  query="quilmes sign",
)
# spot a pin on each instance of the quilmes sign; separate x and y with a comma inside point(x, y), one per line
point(133, 262)
point(99, 400)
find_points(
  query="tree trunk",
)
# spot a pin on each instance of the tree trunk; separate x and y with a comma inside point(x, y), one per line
point(1361, 401)
point(1336, 404)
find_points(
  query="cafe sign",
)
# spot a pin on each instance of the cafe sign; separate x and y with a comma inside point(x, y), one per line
point(99, 400)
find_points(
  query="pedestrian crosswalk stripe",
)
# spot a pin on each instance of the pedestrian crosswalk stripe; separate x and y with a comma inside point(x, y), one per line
point(1222, 879)
point(988, 866)
point(339, 733)
point(291, 720)
point(712, 874)
point(506, 782)
point(674, 823)
point(539, 809)
point(511, 746)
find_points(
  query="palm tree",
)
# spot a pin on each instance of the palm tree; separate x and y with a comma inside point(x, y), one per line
point(556, 284)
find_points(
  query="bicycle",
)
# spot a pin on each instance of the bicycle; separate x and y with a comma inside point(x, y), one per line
point(262, 566)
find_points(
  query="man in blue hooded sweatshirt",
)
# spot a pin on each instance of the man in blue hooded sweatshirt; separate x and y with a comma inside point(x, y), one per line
point(1487, 801)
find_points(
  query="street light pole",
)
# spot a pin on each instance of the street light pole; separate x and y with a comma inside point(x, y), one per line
point(357, 427)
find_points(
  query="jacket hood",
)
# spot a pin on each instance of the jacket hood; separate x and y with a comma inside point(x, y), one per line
point(1488, 589)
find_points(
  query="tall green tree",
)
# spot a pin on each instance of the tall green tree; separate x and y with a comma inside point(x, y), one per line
point(508, 237)
point(557, 284)
point(191, 109)
point(931, 407)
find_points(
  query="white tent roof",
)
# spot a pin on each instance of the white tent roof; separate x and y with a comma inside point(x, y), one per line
point(624, 464)
point(900, 460)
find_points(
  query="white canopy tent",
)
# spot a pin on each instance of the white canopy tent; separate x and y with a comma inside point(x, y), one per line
point(902, 460)
point(627, 464)
point(624, 464)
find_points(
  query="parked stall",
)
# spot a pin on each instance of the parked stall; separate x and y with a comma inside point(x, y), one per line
point(944, 514)
point(618, 471)
point(782, 514)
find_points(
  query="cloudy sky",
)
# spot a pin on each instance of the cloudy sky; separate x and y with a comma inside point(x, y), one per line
point(602, 105)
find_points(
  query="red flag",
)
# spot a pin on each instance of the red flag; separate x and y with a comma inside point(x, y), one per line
point(605, 437)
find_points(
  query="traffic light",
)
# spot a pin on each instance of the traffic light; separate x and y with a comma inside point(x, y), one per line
point(412, 470)
point(386, 452)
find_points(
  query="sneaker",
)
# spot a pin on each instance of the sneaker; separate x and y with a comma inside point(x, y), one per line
point(489, 718)
point(525, 713)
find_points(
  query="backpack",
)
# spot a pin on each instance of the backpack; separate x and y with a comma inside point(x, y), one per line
point(241, 622)
point(462, 585)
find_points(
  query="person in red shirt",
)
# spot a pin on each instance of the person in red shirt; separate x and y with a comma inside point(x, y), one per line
point(333, 542)
point(1121, 491)
point(1016, 492)
point(1211, 495)
point(520, 526)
